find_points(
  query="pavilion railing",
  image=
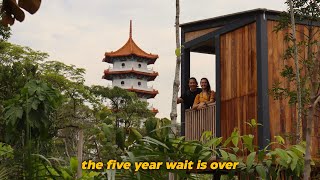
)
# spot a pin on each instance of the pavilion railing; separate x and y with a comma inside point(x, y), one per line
point(198, 121)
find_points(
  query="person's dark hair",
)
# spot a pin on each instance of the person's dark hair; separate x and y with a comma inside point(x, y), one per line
point(209, 87)
point(193, 78)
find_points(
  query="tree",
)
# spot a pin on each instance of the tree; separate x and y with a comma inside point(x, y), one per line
point(18, 64)
point(307, 50)
point(127, 109)
point(29, 121)
point(176, 81)
point(295, 56)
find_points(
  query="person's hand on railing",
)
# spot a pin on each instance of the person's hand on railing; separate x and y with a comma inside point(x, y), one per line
point(202, 105)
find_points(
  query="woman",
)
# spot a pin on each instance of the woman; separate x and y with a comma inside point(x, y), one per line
point(205, 97)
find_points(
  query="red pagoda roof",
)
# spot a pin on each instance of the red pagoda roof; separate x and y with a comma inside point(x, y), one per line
point(130, 48)
point(154, 110)
point(108, 74)
point(153, 93)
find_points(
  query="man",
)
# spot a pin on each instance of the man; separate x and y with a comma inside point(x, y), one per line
point(188, 98)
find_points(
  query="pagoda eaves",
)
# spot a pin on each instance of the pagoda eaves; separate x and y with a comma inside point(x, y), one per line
point(109, 73)
point(130, 48)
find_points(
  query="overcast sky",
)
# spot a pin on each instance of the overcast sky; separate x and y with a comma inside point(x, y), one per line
point(79, 32)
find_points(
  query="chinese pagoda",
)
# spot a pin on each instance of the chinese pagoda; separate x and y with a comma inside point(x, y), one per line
point(130, 69)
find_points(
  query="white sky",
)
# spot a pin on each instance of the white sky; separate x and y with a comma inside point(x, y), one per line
point(79, 33)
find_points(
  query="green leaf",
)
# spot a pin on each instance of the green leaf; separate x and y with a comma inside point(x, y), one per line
point(279, 139)
point(206, 135)
point(233, 157)
point(250, 160)
point(235, 149)
point(136, 133)
point(224, 155)
point(178, 52)
point(294, 161)
point(235, 137)
point(213, 142)
point(268, 162)
point(107, 129)
point(154, 141)
point(205, 155)
point(227, 141)
point(261, 171)
point(261, 155)
point(253, 122)
point(74, 164)
point(284, 158)
point(35, 104)
point(248, 142)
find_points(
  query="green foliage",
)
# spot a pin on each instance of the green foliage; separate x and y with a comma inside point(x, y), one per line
point(160, 145)
point(33, 106)
point(6, 151)
point(5, 33)
point(265, 163)
point(307, 55)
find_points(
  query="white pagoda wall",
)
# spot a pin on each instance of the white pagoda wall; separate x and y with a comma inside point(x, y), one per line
point(117, 65)
point(131, 82)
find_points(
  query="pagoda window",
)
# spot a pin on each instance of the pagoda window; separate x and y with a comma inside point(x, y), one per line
point(139, 83)
point(122, 83)
point(139, 65)
point(123, 65)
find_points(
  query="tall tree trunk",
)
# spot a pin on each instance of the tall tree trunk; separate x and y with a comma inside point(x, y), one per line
point(298, 127)
point(176, 82)
point(307, 158)
point(79, 153)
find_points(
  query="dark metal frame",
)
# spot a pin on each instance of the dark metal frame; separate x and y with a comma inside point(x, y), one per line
point(262, 80)
point(218, 87)
point(185, 75)
point(223, 20)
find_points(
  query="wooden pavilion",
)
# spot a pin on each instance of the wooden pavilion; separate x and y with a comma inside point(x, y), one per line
point(249, 57)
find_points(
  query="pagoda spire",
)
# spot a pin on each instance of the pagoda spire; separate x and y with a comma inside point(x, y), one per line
point(130, 33)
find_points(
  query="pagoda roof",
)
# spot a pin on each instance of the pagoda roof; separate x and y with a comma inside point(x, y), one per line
point(130, 48)
point(154, 110)
point(109, 73)
point(152, 93)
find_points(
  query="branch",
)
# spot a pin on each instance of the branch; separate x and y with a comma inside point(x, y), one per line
point(98, 151)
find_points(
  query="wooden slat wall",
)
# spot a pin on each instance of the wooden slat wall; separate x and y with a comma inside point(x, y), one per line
point(198, 121)
point(238, 80)
point(283, 116)
point(195, 34)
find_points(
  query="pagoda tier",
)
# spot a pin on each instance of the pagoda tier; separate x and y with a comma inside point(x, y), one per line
point(130, 48)
point(138, 58)
point(154, 110)
point(109, 74)
point(150, 93)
